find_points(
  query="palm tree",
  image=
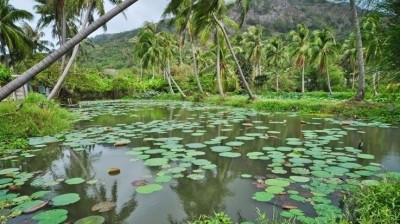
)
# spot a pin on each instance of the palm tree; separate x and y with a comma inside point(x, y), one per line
point(302, 50)
point(360, 55)
point(12, 37)
point(51, 58)
point(183, 18)
point(324, 48)
point(215, 12)
point(277, 56)
point(35, 36)
point(88, 7)
point(349, 56)
point(254, 47)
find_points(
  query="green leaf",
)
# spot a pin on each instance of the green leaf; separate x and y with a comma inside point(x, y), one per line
point(73, 181)
point(54, 216)
point(94, 219)
point(263, 196)
point(65, 199)
point(148, 189)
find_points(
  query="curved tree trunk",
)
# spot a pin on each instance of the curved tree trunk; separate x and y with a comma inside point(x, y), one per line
point(56, 89)
point(241, 76)
point(354, 77)
point(277, 82)
point(51, 58)
point(360, 55)
point(167, 73)
point(176, 85)
point(219, 81)
point(196, 70)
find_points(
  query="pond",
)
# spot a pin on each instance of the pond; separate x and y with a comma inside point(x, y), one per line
point(176, 161)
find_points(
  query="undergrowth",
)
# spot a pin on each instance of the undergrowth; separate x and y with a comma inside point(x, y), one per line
point(34, 116)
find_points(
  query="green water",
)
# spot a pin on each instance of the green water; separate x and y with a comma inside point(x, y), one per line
point(151, 124)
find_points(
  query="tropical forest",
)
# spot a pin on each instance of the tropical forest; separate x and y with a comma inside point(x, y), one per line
point(199, 111)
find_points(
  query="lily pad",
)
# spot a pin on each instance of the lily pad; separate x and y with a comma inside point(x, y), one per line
point(365, 156)
point(230, 154)
point(148, 189)
point(73, 181)
point(94, 219)
point(40, 194)
point(263, 196)
point(196, 145)
point(300, 179)
point(65, 199)
point(274, 189)
point(221, 148)
point(8, 171)
point(54, 216)
point(156, 162)
point(104, 206)
point(277, 182)
point(163, 179)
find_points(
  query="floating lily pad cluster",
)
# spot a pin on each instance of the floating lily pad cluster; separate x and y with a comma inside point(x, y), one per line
point(310, 168)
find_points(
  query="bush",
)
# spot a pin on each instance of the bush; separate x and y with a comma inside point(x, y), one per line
point(34, 116)
point(5, 75)
point(377, 204)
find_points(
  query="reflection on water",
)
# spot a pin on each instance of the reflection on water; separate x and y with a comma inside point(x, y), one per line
point(183, 199)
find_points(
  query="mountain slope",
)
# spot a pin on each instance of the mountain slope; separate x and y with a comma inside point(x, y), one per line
point(276, 16)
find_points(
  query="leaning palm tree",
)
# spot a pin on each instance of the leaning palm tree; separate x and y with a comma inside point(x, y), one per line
point(12, 37)
point(302, 50)
point(51, 58)
point(324, 49)
point(215, 11)
point(88, 8)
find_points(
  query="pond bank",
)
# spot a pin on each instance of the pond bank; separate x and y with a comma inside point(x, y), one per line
point(383, 112)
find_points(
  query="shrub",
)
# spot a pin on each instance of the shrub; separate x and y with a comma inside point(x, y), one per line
point(5, 75)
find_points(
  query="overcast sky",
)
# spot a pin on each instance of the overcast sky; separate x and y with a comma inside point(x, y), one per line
point(137, 14)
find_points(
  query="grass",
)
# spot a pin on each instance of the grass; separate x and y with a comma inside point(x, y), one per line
point(34, 116)
point(376, 204)
point(311, 103)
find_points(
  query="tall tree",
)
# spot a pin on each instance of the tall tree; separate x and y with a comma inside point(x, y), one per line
point(360, 55)
point(254, 47)
point(324, 49)
point(12, 37)
point(276, 56)
point(301, 49)
point(51, 58)
point(215, 11)
point(87, 8)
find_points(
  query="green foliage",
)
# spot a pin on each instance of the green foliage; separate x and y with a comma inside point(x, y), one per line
point(5, 75)
point(219, 218)
point(34, 116)
point(380, 203)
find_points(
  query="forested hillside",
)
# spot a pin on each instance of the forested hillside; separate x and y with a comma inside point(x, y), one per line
point(276, 16)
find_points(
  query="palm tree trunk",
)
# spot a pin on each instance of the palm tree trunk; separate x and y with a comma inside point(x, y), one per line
point(241, 76)
point(360, 55)
point(302, 78)
point(63, 34)
point(171, 90)
point(176, 85)
point(219, 82)
point(354, 77)
point(196, 70)
point(54, 56)
point(277, 82)
point(374, 83)
point(328, 79)
point(167, 71)
point(64, 75)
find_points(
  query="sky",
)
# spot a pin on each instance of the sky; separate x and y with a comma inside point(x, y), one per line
point(137, 14)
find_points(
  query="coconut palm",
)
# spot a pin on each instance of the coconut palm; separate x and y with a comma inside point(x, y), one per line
point(12, 38)
point(183, 18)
point(324, 48)
point(88, 7)
point(349, 56)
point(214, 13)
point(254, 47)
point(276, 57)
point(51, 58)
point(360, 55)
point(301, 49)
point(35, 36)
